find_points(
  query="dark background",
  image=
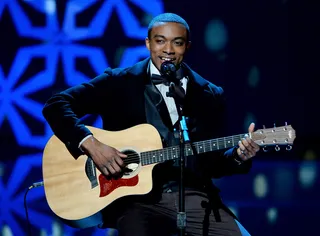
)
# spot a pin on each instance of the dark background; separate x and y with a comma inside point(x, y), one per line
point(264, 54)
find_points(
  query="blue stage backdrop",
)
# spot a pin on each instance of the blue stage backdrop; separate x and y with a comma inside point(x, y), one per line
point(49, 45)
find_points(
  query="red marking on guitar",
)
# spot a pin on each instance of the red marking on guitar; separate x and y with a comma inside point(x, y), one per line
point(107, 186)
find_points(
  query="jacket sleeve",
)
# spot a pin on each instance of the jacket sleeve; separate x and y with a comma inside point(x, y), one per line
point(64, 110)
point(219, 163)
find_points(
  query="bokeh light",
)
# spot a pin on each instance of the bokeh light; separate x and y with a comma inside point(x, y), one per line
point(254, 77)
point(260, 186)
point(216, 35)
point(307, 174)
point(272, 215)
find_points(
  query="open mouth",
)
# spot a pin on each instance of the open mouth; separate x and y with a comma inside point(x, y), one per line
point(167, 59)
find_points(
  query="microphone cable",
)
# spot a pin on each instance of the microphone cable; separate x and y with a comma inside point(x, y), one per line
point(34, 185)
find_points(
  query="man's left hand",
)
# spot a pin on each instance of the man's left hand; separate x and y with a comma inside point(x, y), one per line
point(247, 147)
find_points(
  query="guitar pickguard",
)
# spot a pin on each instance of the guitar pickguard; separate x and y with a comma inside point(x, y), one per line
point(107, 186)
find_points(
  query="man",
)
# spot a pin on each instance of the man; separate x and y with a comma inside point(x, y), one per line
point(131, 96)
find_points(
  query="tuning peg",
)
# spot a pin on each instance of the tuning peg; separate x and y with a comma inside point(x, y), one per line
point(277, 148)
point(274, 125)
point(265, 149)
point(264, 127)
point(288, 148)
point(285, 127)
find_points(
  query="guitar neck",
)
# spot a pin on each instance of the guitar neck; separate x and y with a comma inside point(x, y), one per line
point(173, 152)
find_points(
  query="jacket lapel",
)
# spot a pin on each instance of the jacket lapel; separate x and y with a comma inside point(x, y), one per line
point(195, 87)
point(156, 110)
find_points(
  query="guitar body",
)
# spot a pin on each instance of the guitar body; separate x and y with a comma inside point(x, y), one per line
point(76, 191)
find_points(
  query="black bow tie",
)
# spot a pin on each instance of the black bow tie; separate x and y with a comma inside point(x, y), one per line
point(179, 92)
point(161, 79)
point(158, 79)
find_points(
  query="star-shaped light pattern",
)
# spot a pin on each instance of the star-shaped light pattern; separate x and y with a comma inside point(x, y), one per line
point(12, 197)
point(11, 97)
point(61, 43)
point(55, 43)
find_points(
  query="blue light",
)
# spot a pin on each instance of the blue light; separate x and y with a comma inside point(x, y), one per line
point(260, 186)
point(216, 35)
point(57, 42)
point(308, 174)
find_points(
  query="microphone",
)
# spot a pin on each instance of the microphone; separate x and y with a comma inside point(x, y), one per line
point(168, 69)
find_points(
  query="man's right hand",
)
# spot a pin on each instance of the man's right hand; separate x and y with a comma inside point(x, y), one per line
point(107, 159)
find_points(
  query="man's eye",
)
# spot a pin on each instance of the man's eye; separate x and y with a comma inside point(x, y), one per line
point(160, 41)
point(179, 43)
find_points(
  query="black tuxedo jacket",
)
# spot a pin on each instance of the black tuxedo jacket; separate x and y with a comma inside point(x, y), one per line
point(126, 97)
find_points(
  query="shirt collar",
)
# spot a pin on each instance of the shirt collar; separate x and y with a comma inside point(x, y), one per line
point(153, 69)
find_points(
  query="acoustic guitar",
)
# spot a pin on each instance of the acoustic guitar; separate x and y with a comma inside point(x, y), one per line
point(77, 192)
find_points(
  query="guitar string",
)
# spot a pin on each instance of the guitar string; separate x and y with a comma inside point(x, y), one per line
point(204, 144)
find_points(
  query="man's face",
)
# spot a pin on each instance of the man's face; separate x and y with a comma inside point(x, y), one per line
point(168, 41)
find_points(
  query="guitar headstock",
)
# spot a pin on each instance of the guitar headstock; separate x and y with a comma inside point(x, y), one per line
point(276, 136)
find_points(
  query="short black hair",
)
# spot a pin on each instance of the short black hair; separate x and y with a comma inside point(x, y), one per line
point(168, 17)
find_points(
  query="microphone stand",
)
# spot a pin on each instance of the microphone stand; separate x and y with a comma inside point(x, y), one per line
point(183, 139)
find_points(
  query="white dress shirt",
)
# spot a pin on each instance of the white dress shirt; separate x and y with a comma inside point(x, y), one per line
point(164, 89)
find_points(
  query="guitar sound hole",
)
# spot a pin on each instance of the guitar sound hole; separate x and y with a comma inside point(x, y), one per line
point(132, 162)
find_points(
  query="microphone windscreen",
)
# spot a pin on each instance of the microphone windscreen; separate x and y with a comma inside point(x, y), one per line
point(168, 69)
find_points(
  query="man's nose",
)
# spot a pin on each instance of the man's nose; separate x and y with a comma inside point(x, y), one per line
point(168, 49)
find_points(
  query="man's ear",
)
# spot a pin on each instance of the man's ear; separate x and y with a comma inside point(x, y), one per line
point(188, 45)
point(147, 43)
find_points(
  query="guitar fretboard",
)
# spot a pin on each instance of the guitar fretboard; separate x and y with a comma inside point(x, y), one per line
point(173, 152)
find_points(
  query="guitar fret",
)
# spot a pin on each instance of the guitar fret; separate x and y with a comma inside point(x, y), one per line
point(170, 153)
point(154, 157)
point(213, 145)
point(228, 143)
point(199, 148)
point(259, 137)
point(238, 138)
point(162, 155)
point(143, 159)
point(151, 157)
